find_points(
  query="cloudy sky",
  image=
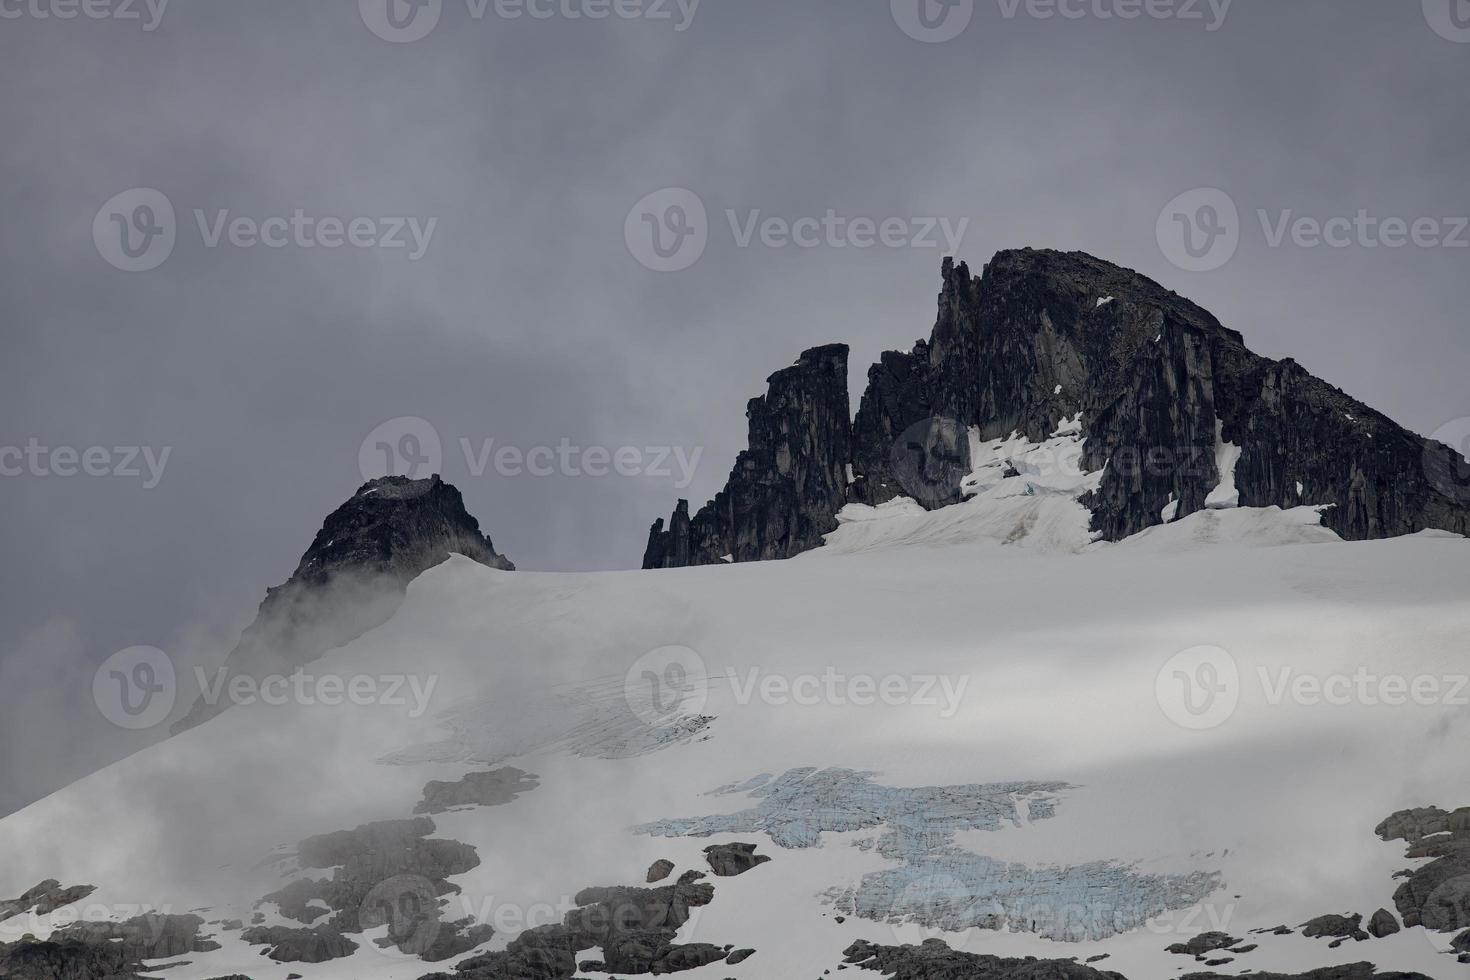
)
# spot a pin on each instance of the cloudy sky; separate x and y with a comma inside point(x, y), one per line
point(339, 216)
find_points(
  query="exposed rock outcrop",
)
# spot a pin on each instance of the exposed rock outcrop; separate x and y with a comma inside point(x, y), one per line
point(786, 488)
point(104, 950)
point(1167, 397)
point(634, 927)
point(934, 960)
point(390, 873)
point(494, 788)
point(354, 576)
point(729, 860)
point(1435, 895)
point(43, 899)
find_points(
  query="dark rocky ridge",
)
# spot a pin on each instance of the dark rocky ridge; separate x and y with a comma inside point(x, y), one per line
point(1040, 336)
point(935, 960)
point(354, 576)
point(1435, 895)
point(786, 488)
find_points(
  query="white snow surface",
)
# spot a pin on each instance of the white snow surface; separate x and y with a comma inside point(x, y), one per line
point(1062, 641)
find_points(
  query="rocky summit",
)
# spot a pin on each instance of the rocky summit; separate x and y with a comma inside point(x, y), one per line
point(1167, 400)
point(354, 575)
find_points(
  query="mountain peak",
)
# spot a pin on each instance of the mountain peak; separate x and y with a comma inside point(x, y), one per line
point(1174, 413)
point(355, 574)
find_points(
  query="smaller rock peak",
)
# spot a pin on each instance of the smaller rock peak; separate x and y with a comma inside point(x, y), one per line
point(399, 487)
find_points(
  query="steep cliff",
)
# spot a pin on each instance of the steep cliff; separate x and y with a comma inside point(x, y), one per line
point(1176, 412)
point(786, 488)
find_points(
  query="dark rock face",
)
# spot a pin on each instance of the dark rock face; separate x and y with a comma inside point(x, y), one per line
point(934, 960)
point(787, 487)
point(1382, 924)
point(1350, 971)
point(1040, 336)
point(1206, 942)
point(493, 788)
point(103, 950)
point(634, 927)
point(389, 872)
point(44, 898)
point(144, 937)
point(1339, 927)
point(286, 945)
point(1435, 895)
point(729, 860)
point(354, 576)
point(659, 870)
point(31, 959)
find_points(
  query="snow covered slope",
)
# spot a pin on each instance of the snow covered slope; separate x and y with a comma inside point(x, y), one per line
point(969, 724)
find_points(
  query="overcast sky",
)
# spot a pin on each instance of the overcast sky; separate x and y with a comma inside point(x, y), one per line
point(521, 313)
